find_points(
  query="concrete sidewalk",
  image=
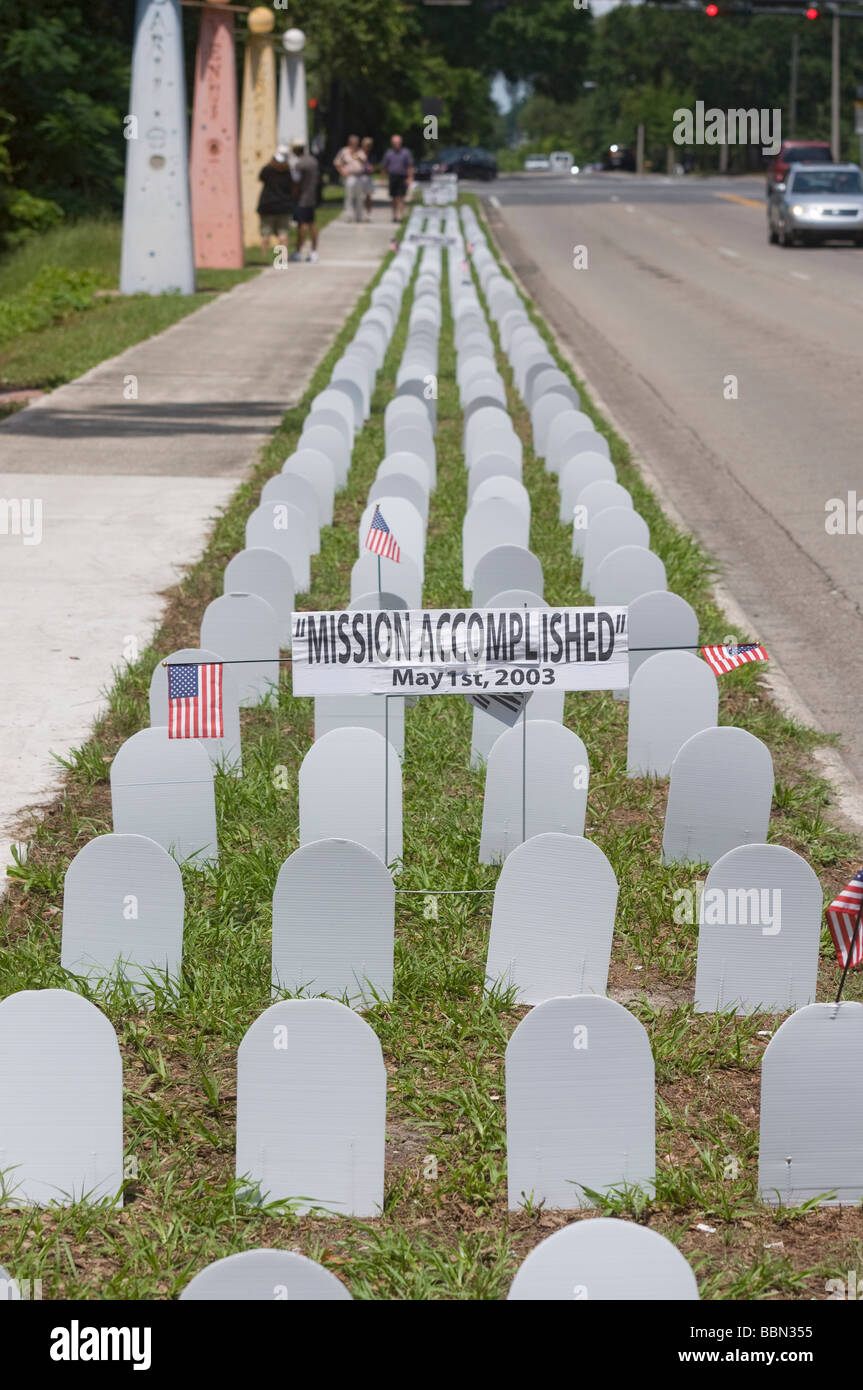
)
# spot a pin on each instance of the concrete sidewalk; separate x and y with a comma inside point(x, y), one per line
point(127, 467)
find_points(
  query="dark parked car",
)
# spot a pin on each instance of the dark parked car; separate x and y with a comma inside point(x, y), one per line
point(466, 161)
point(619, 157)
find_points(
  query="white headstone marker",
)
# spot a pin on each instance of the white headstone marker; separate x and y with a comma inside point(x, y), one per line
point(811, 1134)
point(759, 932)
point(265, 1276)
point(604, 1259)
point(61, 1100)
point(553, 919)
point(162, 788)
point(579, 1103)
point(123, 905)
point(719, 796)
point(311, 1108)
point(333, 923)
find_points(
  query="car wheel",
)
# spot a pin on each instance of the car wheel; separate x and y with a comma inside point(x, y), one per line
point(858, 240)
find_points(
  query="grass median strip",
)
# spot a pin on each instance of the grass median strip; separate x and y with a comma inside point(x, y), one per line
point(445, 1232)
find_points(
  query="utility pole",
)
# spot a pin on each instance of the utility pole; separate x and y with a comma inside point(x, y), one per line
point(792, 96)
point(835, 140)
point(639, 149)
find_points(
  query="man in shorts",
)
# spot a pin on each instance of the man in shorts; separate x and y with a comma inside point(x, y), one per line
point(307, 174)
point(398, 164)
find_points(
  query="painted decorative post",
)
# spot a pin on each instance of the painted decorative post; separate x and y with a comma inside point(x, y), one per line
point(215, 167)
point(157, 226)
point(258, 118)
point(293, 109)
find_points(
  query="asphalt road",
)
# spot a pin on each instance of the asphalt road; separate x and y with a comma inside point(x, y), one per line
point(681, 292)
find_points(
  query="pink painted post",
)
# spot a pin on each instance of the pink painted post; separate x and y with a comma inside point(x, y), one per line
point(214, 166)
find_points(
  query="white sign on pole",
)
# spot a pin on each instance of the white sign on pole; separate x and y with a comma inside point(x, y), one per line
point(441, 652)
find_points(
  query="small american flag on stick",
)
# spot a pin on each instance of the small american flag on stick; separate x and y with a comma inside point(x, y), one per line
point(726, 658)
point(843, 920)
point(195, 701)
point(381, 540)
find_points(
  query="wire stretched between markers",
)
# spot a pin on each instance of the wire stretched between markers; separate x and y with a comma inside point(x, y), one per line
point(286, 660)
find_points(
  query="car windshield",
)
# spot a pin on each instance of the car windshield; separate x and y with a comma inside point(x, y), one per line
point(807, 154)
point(828, 181)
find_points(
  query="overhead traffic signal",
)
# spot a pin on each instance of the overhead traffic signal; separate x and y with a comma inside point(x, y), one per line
point(711, 11)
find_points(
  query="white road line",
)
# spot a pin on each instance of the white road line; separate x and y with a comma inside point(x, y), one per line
point(726, 251)
point(495, 202)
point(614, 198)
point(799, 275)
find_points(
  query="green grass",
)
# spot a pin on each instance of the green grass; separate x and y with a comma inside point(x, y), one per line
point(75, 341)
point(445, 1232)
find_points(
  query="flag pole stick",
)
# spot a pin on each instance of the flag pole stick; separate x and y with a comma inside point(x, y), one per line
point(386, 778)
point(850, 952)
point(380, 586)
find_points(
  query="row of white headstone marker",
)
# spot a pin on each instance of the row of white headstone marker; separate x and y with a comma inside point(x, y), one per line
point(311, 1079)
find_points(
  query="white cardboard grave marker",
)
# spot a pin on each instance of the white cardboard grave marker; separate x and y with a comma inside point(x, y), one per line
point(579, 1103)
point(505, 567)
point(267, 574)
point(811, 1137)
point(344, 793)
point(265, 1276)
point(162, 788)
point(486, 730)
point(626, 574)
point(384, 714)
point(536, 782)
point(223, 752)
point(488, 525)
point(311, 1107)
point(243, 628)
point(296, 491)
point(577, 473)
point(403, 485)
point(328, 442)
point(759, 932)
point(671, 697)
point(553, 919)
point(333, 923)
point(608, 531)
point(282, 527)
point(500, 485)
point(607, 1259)
point(61, 1100)
point(315, 468)
point(658, 621)
point(400, 577)
point(123, 905)
point(719, 796)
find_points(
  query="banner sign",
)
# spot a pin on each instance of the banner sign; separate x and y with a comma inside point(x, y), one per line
point(430, 239)
point(459, 651)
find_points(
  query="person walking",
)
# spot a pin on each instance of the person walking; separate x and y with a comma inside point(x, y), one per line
point(276, 201)
point(398, 164)
point(369, 175)
point(307, 172)
point(350, 164)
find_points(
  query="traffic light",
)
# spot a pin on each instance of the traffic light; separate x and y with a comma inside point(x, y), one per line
point(711, 11)
point(811, 13)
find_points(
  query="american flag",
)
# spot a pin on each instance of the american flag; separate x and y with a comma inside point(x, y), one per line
point(724, 659)
point(842, 919)
point(381, 539)
point(195, 701)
